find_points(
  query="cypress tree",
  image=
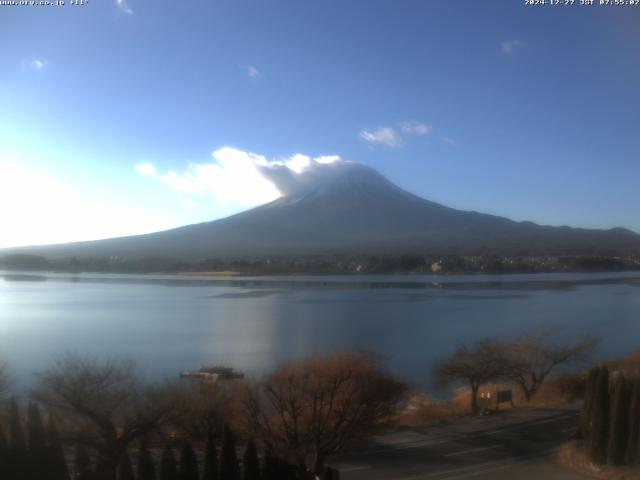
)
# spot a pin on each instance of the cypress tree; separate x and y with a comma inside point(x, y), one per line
point(57, 468)
point(16, 433)
point(210, 471)
point(146, 469)
point(330, 474)
point(634, 423)
point(37, 443)
point(269, 466)
point(16, 462)
point(35, 430)
point(585, 414)
point(105, 469)
point(618, 426)
point(168, 469)
point(82, 464)
point(274, 468)
point(250, 463)
point(125, 470)
point(286, 471)
point(4, 455)
point(188, 462)
point(229, 465)
point(599, 429)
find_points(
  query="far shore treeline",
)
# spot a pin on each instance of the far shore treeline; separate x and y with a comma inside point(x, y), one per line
point(329, 264)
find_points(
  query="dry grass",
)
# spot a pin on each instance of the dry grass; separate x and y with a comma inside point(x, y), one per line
point(558, 390)
point(573, 457)
point(424, 409)
point(629, 363)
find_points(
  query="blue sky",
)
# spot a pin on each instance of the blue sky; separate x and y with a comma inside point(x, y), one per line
point(110, 113)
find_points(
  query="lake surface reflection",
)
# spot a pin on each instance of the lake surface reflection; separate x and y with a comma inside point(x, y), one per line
point(173, 323)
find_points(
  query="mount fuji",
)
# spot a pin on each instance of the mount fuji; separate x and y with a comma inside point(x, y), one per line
point(349, 208)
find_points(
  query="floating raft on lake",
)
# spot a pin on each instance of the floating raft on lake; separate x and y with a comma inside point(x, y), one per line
point(213, 374)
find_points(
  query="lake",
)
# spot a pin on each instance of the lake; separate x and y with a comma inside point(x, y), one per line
point(173, 323)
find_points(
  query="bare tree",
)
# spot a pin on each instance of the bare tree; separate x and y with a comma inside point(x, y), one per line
point(310, 409)
point(485, 361)
point(201, 408)
point(105, 405)
point(532, 358)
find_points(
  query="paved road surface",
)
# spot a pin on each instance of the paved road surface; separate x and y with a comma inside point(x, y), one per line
point(514, 444)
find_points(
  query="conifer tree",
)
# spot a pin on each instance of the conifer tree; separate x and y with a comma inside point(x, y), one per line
point(330, 474)
point(274, 468)
point(82, 464)
point(37, 443)
point(585, 414)
point(16, 433)
point(210, 471)
point(188, 462)
point(57, 468)
point(269, 466)
point(286, 471)
point(104, 469)
point(618, 426)
point(4, 455)
point(168, 469)
point(599, 429)
point(16, 462)
point(146, 469)
point(35, 428)
point(634, 423)
point(250, 463)
point(125, 470)
point(229, 465)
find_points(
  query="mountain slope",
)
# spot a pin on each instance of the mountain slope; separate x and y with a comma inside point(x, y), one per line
point(347, 207)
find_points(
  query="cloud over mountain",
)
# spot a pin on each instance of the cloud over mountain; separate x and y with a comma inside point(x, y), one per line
point(238, 177)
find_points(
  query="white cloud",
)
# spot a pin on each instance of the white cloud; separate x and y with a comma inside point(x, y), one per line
point(510, 47)
point(298, 163)
point(328, 159)
point(449, 140)
point(236, 177)
point(252, 72)
point(383, 135)
point(391, 137)
point(36, 64)
point(416, 128)
point(39, 64)
point(124, 6)
point(188, 203)
point(146, 170)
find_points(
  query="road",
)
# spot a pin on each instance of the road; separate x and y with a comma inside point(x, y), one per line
point(512, 444)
